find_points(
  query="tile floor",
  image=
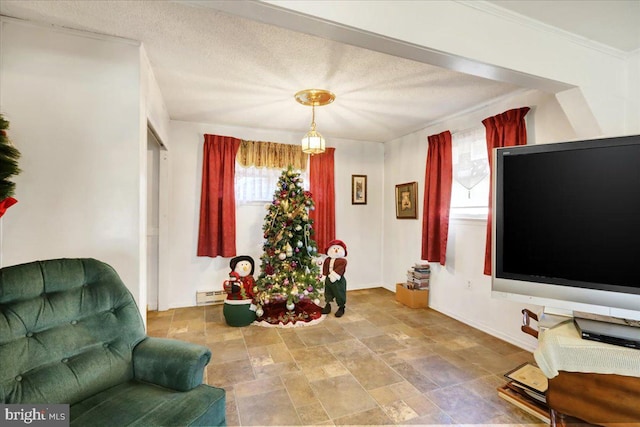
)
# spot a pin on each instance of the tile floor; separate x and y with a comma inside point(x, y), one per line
point(380, 364)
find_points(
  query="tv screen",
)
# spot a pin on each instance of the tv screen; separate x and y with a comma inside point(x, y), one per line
point(567, 220)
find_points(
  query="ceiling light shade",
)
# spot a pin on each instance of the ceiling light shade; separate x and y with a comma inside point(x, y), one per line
point(313, 142)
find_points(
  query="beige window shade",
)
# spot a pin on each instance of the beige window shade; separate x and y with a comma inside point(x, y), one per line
point(271, 155)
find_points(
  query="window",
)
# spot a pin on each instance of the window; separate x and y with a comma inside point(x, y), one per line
point(258, 184)
point(471, 178)
point(259, 165)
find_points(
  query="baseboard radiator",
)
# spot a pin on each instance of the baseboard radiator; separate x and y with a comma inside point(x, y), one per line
point(210, 297)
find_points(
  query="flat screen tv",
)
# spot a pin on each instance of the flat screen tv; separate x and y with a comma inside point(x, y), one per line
point(566, 224)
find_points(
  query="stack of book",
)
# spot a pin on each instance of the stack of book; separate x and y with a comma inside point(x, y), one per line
point(526, 389)
point(418, 276)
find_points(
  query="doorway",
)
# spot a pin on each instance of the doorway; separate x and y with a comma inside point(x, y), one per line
point(156, 218)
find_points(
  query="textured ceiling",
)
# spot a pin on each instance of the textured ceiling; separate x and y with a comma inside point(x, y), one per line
point(218, 68)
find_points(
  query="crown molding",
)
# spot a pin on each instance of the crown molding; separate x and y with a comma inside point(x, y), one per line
point(506, 14)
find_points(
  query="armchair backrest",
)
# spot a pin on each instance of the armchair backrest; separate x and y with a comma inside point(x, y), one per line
point(67, 331)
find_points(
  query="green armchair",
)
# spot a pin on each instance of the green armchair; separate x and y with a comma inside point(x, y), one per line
point(70, 332)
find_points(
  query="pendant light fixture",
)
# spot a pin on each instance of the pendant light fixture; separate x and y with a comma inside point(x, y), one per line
point(313, 142)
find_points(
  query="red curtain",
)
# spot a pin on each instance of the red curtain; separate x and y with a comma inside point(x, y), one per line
point(504, 130)
point(217, 233)
point(321, 185)
point(437, 198)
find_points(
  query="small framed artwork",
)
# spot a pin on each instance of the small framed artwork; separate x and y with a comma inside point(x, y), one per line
point(407, 200)
point(358, 189)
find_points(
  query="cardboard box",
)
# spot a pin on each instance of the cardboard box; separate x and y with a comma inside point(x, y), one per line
point(412, 298)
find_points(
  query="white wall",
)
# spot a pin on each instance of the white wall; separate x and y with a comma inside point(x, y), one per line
point(76, 113)
point(633, 78)
point(357, 225)
point(460, 289)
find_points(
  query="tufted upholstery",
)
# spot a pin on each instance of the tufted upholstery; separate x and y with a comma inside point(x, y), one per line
point(70, 331)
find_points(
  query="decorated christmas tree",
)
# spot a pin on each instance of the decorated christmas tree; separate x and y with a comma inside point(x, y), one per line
point(9, 156)
point(289, 287)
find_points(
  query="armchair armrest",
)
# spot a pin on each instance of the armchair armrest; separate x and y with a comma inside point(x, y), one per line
point(174, 364)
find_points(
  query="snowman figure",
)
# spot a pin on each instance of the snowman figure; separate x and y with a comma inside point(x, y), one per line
point(241, 282)
point(335, 285)
point(238, 307)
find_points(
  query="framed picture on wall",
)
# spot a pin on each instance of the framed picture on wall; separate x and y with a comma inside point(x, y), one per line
point(407, 200)
point(358, 189)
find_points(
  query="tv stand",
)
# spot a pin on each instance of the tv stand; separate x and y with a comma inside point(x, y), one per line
point(583, 384)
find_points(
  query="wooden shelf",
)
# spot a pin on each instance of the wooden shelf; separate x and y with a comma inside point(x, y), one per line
point(527, 404)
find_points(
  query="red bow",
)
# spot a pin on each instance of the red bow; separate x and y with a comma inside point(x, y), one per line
point(6, 204)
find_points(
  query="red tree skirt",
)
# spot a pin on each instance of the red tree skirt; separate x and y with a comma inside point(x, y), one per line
point(276, 313)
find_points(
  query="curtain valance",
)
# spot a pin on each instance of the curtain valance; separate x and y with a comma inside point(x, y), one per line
point(271, 155)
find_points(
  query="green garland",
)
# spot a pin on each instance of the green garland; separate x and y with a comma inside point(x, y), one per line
point(9, 156)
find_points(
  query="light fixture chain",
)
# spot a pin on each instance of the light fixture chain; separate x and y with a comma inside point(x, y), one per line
point(313, 142)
